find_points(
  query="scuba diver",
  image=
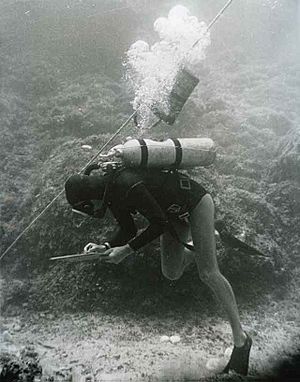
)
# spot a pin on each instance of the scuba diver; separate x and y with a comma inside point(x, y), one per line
point(176, 207)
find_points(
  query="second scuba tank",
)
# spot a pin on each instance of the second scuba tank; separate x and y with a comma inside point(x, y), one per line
point(181, 153)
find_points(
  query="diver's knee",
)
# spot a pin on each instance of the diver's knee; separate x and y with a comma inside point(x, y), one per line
point(172, 274)
point(207, 201)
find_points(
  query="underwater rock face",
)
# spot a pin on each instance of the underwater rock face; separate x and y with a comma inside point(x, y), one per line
point(20, 365)
point(287, 166)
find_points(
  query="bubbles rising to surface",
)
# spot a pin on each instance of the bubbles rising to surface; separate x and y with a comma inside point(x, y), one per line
point(179, 12)
point(151, 71)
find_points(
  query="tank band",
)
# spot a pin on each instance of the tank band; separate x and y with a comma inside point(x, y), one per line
point(144, 153)
point(178, 152)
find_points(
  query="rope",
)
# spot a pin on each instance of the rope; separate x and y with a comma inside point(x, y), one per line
point(62, 191)
point(110, 139)
point(214, 20)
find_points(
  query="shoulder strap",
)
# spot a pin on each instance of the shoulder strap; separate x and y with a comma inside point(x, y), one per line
point(111, 176)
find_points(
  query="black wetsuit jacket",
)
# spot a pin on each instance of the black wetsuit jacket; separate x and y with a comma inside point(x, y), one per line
point(159, 196)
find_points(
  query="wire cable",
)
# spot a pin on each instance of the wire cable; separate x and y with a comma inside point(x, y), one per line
point(214, 20)
point(62, 191)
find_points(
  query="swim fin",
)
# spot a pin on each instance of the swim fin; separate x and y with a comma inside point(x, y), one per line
point(239, 360)
point(231, 241)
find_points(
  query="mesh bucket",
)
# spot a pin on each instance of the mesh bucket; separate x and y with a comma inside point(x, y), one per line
point(183, 87)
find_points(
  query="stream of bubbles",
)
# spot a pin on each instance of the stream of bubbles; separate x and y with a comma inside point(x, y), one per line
point(151, 70)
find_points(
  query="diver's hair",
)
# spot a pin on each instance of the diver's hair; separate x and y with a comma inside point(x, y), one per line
point(84, 187)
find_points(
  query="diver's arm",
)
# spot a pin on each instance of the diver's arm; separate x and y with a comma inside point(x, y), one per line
point(143, 201)
point(126, 230)
point(139, 197)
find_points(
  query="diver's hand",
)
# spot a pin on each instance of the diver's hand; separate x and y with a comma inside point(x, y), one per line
point(117, 254)
point(92, 247)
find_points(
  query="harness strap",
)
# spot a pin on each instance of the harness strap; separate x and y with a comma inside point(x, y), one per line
point(144, 153)
point(111, 178)
point(178, 153)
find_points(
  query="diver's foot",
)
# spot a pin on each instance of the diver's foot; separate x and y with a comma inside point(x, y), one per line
point(239, 360)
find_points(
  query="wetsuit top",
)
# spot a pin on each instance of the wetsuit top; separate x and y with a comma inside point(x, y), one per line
point(158, 196)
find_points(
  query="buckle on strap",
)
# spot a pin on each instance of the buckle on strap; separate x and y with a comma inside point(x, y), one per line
point(174, 208)
point(184, 216)
point(185, 184)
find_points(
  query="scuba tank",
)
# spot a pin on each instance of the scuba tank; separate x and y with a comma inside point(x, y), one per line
point(170, 154)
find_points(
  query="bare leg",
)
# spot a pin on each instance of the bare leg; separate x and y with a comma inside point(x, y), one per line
point(173, 254)
point(203, 234)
